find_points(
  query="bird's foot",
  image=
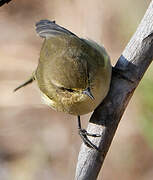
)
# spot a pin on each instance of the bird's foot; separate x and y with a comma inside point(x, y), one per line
point(84, 136)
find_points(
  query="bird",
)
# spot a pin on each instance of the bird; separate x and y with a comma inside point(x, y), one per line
point(73, 73)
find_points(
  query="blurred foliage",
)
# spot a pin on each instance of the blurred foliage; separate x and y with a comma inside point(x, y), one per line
point(145, 93)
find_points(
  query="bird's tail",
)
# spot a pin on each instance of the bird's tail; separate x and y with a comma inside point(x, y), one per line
point(46, 28)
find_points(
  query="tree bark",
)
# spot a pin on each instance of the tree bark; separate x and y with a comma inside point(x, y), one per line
point(130, 69)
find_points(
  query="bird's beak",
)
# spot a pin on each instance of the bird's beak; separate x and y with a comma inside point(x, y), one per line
point(88, 93)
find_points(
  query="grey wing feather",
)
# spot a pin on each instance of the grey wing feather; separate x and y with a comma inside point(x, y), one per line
point(46, 28)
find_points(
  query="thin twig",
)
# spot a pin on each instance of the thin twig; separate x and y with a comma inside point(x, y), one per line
point(2, 2)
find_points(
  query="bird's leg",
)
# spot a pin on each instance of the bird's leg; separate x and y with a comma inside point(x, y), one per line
point(83, 134)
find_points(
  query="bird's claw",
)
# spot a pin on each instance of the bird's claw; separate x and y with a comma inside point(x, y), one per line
point(84, 136)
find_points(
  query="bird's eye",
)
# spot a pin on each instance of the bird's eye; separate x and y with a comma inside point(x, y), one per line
point(70, 90)
point(66, 89)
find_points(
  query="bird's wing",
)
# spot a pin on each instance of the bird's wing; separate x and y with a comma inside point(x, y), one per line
point(46, 28)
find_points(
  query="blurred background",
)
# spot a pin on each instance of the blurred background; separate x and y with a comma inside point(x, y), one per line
point(37, 143)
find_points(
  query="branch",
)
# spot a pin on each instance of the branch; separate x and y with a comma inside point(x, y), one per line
point(132, 64)
point(2, 2)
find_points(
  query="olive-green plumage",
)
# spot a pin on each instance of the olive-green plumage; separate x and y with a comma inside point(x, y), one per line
point(73, 74)
point(68, 66)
